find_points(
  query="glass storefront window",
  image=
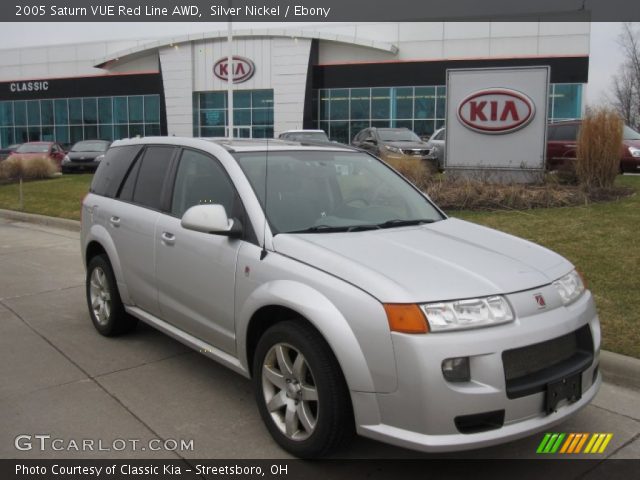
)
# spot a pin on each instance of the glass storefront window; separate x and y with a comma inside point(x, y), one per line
point(61, 111)
point(20, 113)
point(152, 109)
point(380, 103)
point(105, 111)
point(360, 103)
point(135, 110)
point(6, 114)
point(46, 109)
point(424, 103)
point(252, 113)
point(33, 112)
point(567, 101)
point(75, 111)
point(339, 104)
point(120, 110)
point(90, 111)
point(402, 101)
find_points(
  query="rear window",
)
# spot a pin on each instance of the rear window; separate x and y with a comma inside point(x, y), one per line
point(113, 169)
point(155, 164)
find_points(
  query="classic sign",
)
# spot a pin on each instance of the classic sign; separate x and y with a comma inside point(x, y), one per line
point(243, 69)
point(496, 110)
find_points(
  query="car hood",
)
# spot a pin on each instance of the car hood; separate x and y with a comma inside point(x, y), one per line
point(446, 260)
point(421, 145)
point(84, 155)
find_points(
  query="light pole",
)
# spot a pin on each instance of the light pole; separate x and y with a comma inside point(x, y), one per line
point(230, 76)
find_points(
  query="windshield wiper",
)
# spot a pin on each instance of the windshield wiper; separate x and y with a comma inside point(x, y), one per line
point(321, 229)
point(405, 223)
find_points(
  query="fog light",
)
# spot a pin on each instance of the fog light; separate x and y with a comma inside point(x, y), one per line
point(456, 369)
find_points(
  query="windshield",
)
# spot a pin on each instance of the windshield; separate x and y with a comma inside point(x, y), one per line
point(324, 191)
point(630, 134)
point(90, 147)
point(397, 135)
point(33, 148)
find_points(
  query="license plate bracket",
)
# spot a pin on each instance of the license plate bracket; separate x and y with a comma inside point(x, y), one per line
point(569, 388)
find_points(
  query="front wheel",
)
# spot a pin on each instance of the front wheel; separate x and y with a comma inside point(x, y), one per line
point(301, 392)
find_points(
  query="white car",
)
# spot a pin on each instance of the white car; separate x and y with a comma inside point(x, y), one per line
point(342, 291)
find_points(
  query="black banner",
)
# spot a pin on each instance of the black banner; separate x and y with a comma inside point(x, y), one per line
point(436, 469)
point(316, 10)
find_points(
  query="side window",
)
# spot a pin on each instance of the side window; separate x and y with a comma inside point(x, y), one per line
point(566, 133)
point(112, 170)
point(151, 175)
point(202, 180)
point(440, 135)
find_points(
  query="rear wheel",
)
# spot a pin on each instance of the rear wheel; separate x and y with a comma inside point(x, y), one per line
point(301, 393)
point(105, 306)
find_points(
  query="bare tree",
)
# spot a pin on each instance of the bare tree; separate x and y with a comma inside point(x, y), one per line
point(626, 83)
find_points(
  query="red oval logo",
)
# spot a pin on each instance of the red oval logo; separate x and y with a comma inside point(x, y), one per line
point(496, 110)
point(243, 69)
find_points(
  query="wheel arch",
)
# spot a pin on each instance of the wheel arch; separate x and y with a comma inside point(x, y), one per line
point(99, 242)
point(281, 300)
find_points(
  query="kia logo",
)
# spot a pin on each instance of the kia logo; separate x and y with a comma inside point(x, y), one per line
point(496, 110)
point(243, 69)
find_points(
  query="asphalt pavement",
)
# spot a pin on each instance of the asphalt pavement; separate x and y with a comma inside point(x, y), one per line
point(134, 394)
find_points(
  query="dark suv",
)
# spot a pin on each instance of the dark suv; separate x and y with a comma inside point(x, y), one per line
point(562, 141)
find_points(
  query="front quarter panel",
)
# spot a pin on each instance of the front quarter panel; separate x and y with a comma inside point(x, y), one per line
point(352, 322)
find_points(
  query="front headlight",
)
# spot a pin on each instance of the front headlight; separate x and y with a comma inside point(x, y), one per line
point(635, 152)
point(99, 158)
point(570, 287)
point(465, 314)
point(66, 159)
point(393, 149)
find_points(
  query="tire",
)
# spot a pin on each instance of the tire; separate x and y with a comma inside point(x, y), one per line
point(296, 374)
point(103, 299)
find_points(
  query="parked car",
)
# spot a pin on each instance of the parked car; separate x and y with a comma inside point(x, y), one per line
point(436, 144)
point(8, 150)
point(391, 143)
point(562, 146)
point(52, 150)
point(314, 136)
point(349, 298)
point(85, 156)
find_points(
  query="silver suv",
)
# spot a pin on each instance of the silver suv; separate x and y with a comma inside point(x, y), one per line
point(353, 304)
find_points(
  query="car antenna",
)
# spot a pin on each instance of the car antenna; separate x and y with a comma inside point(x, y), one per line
point(263, 253)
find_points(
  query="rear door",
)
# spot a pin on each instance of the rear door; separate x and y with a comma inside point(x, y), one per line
point(196, 271)
point(132, 225)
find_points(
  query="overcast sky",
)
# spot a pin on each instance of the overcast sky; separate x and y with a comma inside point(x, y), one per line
point(604, 62)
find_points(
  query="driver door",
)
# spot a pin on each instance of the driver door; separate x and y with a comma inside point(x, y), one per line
point(196, 271)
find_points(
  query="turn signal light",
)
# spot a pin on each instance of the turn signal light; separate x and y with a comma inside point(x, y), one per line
point(406, 318)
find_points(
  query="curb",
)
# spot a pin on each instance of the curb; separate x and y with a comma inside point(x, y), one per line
point(617, 369)
point(620, 369)
point(63, 223)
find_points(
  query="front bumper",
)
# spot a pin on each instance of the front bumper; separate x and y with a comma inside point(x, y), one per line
point(421, 414)
point(79, 166)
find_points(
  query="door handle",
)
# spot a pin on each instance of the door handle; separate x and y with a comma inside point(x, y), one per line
point(115, 221)
point(168, 238)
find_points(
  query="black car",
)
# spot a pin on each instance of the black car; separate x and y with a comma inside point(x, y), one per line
point(85, 156)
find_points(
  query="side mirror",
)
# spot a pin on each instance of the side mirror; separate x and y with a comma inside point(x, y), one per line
point(371, 141)
point(211, 219)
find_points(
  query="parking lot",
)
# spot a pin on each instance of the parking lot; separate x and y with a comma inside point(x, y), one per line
point(60, 378)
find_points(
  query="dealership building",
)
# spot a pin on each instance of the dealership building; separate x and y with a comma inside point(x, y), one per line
point(340, 78)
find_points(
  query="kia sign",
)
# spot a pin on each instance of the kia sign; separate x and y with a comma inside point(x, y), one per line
point(497, 110)
point(496, 123)
point(243, 69)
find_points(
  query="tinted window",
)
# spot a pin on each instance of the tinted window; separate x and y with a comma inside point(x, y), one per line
point(201, 180)
point(563, 132)
point(112, 170)
point(155, 163)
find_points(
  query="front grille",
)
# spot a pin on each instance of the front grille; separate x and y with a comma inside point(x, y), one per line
point(412, 151)
point(529, 369)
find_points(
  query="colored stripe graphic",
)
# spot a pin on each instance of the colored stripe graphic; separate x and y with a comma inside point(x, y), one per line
point(573, 443)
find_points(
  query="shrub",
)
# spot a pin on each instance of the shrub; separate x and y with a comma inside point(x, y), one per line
point(416, 171)
point(598, 154)
point(27, 168)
